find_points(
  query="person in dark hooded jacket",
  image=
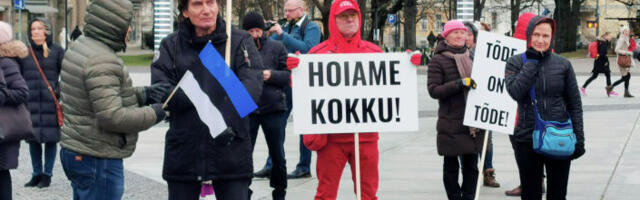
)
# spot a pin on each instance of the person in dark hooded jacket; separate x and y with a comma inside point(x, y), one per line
point(557, 94)
point(13, 92)
point(272, 108)
point(191, 155)
point(41, 102)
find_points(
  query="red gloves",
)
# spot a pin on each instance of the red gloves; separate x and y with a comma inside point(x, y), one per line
point(293, 60)
point(415, 57)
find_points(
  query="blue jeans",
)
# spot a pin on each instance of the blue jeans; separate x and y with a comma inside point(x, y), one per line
point(305, 154)
point(50, 151)
point(488, 159)
point(93, 178)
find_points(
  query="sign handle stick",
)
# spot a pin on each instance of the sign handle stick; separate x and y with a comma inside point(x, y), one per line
point(227, 52)
point(166, 102)
point(484, 154)
point(357, 146)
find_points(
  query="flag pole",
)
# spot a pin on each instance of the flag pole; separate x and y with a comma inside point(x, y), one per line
point(484, 154)
point(227, 52)
point(357, 146)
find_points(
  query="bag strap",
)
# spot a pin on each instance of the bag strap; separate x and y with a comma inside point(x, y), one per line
point(44, 77)
point(532, 95)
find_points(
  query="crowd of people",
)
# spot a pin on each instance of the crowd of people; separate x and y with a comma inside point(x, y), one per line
point(100, 114)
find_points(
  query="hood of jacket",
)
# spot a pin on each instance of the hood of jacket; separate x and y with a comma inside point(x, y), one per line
point(523, 23)
point(108, 22)
point(47, 24)
point(539, 20)
point(13, 49)
point(334, 33)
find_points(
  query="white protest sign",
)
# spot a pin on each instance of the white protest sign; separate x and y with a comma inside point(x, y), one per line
point(489, 106)
point(353, 93)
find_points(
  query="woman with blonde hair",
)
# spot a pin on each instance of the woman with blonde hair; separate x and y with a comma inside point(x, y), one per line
point(624, 61)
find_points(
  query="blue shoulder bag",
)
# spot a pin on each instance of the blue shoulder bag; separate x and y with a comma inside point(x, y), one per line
point(551, 138)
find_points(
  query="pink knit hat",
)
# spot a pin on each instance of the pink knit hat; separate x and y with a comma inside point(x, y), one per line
point(452, 26)
point(6, 33)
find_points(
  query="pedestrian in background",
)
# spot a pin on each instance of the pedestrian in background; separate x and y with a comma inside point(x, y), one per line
point(13, 92)
point(624, 61)
point(45, 59)
point(449, 81)
point(558, 97)
point(601, 65)
point(299, 34)
point(103, 112)
point(272, 106)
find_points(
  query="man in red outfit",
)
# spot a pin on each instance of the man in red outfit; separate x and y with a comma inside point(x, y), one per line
point(335, 150)
point(344, 37)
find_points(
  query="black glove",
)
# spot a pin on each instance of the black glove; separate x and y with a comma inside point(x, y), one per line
point(578, 152)
point(467, 83)
point(533, 55)
point(160, 113)
point(157, 93)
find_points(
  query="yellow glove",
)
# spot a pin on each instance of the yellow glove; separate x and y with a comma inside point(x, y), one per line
point(468, 83)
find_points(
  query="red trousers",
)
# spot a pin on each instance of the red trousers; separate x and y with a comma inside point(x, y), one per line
point(331, 161)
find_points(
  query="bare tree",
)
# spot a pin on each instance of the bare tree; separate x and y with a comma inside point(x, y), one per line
point(478, 6)
point(516, 7)
point(566, 14)
point(324, 8)
point(410, 13)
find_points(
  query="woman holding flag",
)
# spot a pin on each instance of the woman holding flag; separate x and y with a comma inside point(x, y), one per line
point(201, 146)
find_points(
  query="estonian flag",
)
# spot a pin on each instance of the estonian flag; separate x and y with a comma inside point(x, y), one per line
point(199, 84)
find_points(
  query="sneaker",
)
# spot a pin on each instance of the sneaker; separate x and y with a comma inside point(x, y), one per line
point(299, 173)
point(263, 173)
point(613, 93)
point(583, 91)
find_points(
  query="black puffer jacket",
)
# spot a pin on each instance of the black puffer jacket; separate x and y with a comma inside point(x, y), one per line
point(556, 91)
point(41, 104)
point(191, 154)
point(13, 92)
point(601, 64)
point(274, 57)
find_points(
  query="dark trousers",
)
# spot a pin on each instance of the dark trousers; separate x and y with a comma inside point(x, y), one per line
point(274, 135)
point(451, 169)
point(607, 75)
point(304, 163)
point(530, 167)
point(50, 151)
point(224, 189)
point(624, 79)
point(488, 159)
point(5, 185)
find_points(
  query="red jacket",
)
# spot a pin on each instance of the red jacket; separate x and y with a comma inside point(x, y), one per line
point(337, 44)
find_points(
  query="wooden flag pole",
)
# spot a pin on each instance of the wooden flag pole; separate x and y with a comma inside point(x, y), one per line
point(484, 154)
point(227, 52)
point(356, 141)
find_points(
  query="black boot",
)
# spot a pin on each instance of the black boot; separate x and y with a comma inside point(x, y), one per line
point(627, 94)
point(45, 181)
point(35, 180)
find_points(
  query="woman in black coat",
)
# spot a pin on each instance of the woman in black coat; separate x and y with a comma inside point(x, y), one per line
point(41, 102)
point(191, 154)
point(13, 92)
point(601, 64)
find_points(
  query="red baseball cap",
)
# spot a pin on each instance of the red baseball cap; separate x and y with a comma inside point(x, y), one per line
point(346, 5)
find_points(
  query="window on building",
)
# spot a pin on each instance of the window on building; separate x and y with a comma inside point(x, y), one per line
point(438, 24)
point(424, 24)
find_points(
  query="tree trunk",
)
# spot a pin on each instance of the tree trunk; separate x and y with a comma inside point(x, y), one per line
point(267, 12)
point(478, 6)
point(240, 7)
point(410, 12)
point(566, 37)
point(324, 8)
point(363, 19)
point(515, 13)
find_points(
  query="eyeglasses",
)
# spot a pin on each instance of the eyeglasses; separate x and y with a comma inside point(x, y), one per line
point(347, 16)
point(291, 10)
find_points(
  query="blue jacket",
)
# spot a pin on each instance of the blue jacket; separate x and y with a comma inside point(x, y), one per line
point(292, 39)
